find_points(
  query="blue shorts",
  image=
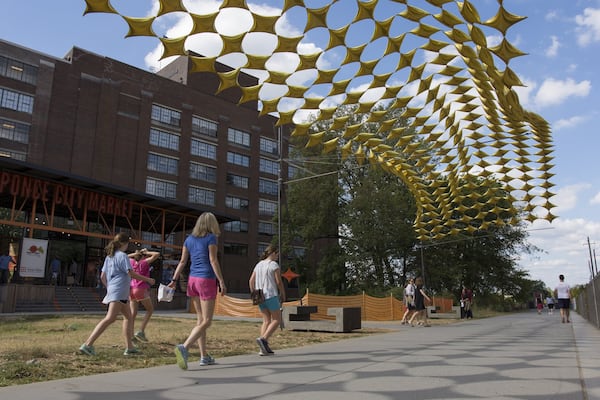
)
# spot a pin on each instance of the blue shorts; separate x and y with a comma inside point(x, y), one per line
point(271, 304)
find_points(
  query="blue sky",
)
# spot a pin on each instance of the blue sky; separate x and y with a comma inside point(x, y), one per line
point(562, 42)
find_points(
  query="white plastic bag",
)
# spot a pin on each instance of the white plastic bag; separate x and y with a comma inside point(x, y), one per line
point(165, 293)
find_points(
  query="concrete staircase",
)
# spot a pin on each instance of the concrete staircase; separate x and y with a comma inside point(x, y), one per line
point(67, 299)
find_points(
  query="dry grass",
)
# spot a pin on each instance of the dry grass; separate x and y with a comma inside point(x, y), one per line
point(42, 348)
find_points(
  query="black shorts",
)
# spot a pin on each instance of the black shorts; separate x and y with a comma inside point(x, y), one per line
point(551, 305)
point(564, 303)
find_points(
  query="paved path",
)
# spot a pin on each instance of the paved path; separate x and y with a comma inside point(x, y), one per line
point(519, 356)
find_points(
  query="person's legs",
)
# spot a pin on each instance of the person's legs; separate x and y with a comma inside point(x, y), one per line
point(127, 325)
point(561, 305)
point(416, 316)
point(204, 315)
point(405, 315)
point(133, 308)
point(111, 316)
point(266, 321)
point(149, 307)
point(273, 325)
point(3, 276)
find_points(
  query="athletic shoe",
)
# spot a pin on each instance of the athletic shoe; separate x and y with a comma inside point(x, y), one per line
point(131, 351)
point(141, 336)
point(261, 345)
point(87, 350)
point(182, 356)
point(265, 350)
point(207, 360)
point(268, 347)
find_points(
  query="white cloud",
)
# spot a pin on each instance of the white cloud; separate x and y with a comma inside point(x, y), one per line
point(595, 199)
point(564, 243)
point(554, 92)
point(552, 51)
point(566, 197)
point(568, 123)
point(525, 92)
point(588, 26)
point(551, 16)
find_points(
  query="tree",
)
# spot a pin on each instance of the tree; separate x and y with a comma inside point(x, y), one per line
point(362, 208)
point(379, 241)
point(310, 217)
point(357, 218)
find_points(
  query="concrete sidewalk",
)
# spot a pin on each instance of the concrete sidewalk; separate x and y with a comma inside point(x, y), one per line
point(518, 356)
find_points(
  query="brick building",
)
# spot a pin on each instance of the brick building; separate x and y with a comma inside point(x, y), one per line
point(119, 148)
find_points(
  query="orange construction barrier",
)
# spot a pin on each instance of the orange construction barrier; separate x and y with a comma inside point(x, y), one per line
point(372, 308)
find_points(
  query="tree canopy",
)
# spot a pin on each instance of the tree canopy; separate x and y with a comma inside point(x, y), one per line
point(356, 221)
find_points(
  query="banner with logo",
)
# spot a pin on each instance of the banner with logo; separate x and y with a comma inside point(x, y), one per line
point(33, 258)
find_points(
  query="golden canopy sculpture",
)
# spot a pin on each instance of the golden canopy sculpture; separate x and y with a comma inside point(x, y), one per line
point(467, 150)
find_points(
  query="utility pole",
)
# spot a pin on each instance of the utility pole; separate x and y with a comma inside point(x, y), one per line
point(279, 190)
point(592, 282)
point(591, 258)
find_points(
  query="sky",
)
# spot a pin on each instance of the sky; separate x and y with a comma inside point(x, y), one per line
point(561, 40)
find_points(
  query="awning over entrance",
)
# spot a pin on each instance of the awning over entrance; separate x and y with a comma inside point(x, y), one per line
point(43, 199)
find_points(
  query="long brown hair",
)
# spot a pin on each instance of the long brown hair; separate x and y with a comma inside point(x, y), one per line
point(119, 240)
point(268, 251)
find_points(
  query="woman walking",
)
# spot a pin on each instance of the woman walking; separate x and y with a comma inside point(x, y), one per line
point(205, 272)
point(140, 290)
point(421, 311)
point(409, 300)
point(266, 276)
point(116, 276)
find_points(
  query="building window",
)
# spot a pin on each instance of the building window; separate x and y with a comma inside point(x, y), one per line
point(235, 249)
point(15, 155)
point(198, 195)
point(236, 226)
point(266, 207)
point(236, 203)
point(16, 101)
point(292, 171)
point(14, 131)
point(164, 139)
point(164, 164)
point(238, 159)
point(299, 252)
point(160, 188)
point(269, 166)
point(238, 181)
point(268, 146)
point(204, 127)
point(266, 228)
point(261, 248)
point(203, 149)
point(268, 186)
point(166, 116)
point(202, 172)
point(156, 238)
point(17, 70)
point(238, 137)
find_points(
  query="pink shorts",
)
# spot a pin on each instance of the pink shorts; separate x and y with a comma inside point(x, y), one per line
point(204, 288)
point(138, 293)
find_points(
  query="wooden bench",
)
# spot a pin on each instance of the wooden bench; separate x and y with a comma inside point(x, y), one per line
point(298, 318)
